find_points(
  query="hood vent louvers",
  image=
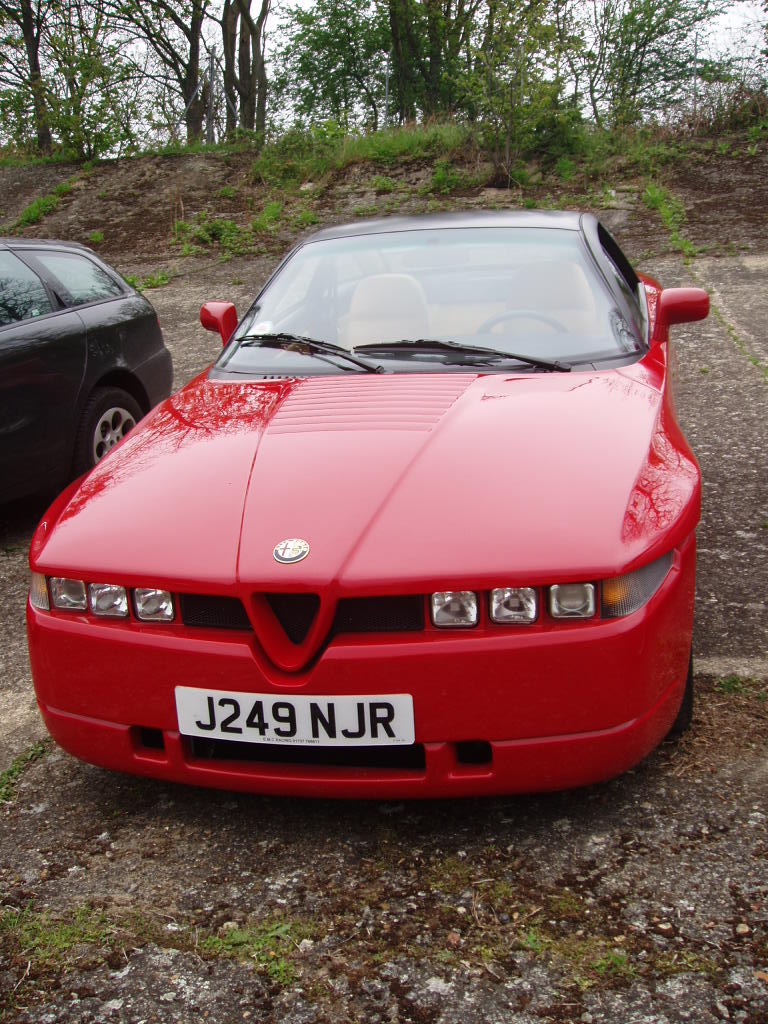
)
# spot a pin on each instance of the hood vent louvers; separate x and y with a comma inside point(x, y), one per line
point(295, 613)
point(390, 402)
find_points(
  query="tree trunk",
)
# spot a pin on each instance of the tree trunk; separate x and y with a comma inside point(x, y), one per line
point(229, 19)
point(196, 111)
point(31, 34)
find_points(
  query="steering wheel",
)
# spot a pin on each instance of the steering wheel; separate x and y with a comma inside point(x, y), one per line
point(521, 314)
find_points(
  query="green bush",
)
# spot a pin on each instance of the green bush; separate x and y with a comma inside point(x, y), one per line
point(207, 231)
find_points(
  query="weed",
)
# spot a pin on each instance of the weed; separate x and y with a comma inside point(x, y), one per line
point(672, 213)
point(205, 231)
point(366, 211)
point(723, 148)
point(566, 168)
point(450, 875)
point(268, 220)
point(614, 964)
point(445, 178)
point(38, 209)
point(383, 185)
point(305, 219)
point(532, 939)
point(156, 280)
point(190, 249)
point(733, 684)
point(46, 940)
point(684, 961)
point(265, 944)
point(227, 192)
point(9, 779)
point(96, 237)
point(739, 341)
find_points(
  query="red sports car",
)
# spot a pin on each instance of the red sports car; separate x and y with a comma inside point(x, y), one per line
point(426, 528)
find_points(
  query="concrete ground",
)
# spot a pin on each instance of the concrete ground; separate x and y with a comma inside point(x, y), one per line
point(641, 900)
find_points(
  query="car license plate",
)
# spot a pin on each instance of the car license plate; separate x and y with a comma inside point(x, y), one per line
point(322, 721)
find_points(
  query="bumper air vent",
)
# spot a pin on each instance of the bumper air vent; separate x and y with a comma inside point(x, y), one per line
point(408, 758)
point(380, 614)
point(213, 612)
point(295, 613)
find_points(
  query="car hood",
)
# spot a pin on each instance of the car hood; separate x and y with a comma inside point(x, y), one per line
point(395, 482)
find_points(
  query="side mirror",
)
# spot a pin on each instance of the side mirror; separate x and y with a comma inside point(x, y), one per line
point(221, 317)
point(681, 306)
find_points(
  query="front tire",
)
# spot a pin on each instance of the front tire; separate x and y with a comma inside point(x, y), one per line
point(685, 715)
point(109, 414)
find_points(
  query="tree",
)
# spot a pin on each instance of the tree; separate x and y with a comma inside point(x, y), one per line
point(332, 61)
point(245, 76)
point(29, 17)
point(174, 31)
point(430, 42)
point(94, 88)
point(515, 87)
point(632, 56)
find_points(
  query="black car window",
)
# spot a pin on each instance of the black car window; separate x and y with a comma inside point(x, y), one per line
point(83, 279)
point(22, 294)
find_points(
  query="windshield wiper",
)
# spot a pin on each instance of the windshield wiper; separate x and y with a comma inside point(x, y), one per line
point(491, 355)
point(312, 345)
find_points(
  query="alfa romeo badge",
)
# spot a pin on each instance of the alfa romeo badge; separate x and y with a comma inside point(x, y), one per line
point(291, 550)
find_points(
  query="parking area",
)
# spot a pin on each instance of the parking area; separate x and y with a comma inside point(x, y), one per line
point(641, 900)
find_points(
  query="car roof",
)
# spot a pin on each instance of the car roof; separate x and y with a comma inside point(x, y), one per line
point(37, 243)
point(565, 220)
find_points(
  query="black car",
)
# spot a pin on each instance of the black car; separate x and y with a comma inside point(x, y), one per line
point(82, 358)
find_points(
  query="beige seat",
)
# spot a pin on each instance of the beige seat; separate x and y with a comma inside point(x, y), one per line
point(385, 307)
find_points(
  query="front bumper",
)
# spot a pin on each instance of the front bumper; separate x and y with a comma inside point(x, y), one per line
point(557, 708)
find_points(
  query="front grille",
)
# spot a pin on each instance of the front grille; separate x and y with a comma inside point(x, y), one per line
point(408, 758)
point(403, 614)
point(213, 612)
point(295, 613)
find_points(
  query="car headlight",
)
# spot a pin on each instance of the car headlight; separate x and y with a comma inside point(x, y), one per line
point(68, 595)
point(572, 600)
point(454, 608)
point(153, 605)
point(623, 595)
point(514, 605)
point(108, 599)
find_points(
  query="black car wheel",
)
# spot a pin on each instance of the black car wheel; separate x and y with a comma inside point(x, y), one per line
point(108, 416)
point(685, 715)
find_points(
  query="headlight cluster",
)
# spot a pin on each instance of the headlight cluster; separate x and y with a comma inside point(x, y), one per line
point(620, 595)
point(107, 600)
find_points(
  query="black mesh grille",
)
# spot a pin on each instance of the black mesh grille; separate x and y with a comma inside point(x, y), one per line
point(379, 614)
point(409, 758)
point(213, 612)
point(295, 613)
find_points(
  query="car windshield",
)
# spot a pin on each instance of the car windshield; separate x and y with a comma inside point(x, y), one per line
point(436, 297)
